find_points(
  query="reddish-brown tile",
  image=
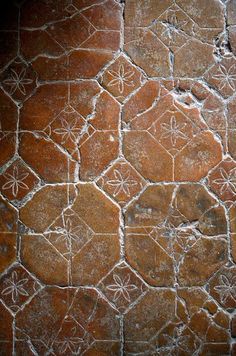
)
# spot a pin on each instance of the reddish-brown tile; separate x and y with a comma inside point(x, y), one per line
point(34, 43)
point(117, 151)
point(149, 259)
point(103, 215)
point(45, 206)
point(103, 248)
point(7, 250)
point(19, 80)
point(231, 12)
point(232, 214)
point(17, 181)
point(223, 76)
point(17, 287)
point(232, 38)
point(193, 311)
point(233, 326)
point(196, 159)
point(8, 114)
point(201, 261)
point(99, 143)
point(178, 146)
point(44, 261)
point(121, 78)
point(148, 52)
point(79, 63)
point(222, 180)
point(150, 315)
point(8, 146)
point(222, 287)
point(172, 36)
point(97, 152)
point(6, 331)
point(70, 322)
point(71, 33)
point(122, 287)
point(8, 217)
point(82, 96)
point(37, 15)
point(162, 236)
point(141, 150)
point(68, 233)
point(46, 104)
point(121, 181)
point(50, 162)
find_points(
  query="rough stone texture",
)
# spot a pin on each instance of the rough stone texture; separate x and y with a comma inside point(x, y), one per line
point(118, 177)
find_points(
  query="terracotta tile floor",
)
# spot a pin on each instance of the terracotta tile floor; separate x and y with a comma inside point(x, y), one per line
point(118, 177)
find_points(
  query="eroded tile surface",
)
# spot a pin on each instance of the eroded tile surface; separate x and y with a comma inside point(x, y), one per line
point(118, 177)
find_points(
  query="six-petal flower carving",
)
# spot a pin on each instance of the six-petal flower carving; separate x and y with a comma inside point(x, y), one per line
point(173, 130)
point(68, 233)
point(227, 288)
point(227, 181)
point(121, 288)
point(226, 77)
point(121, 78)
point(69, 131)
point(17, 81)
point(15, 181)
point(15, 287)
point(122, 183)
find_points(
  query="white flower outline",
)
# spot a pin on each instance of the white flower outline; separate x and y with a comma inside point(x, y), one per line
point(227, 288)
point(226, 76)
point(122, 182)
point(15, 181)
point(16, 287)
point(121, 288)
point(17, 81)
point(121, 78)
point(173, 130)
point(227, 181)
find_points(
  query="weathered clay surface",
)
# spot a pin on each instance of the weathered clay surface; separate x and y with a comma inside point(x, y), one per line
point(118, 177)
